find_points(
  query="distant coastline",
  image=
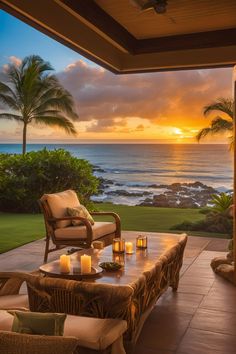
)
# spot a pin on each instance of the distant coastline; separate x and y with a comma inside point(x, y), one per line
point(132, 172)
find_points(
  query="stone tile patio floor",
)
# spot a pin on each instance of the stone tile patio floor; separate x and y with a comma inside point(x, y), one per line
point(199, 319)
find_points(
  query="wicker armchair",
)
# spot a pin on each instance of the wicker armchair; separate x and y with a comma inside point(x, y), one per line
point(59, 229)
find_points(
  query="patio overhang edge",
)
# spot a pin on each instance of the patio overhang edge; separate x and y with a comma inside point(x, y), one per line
point(111, 55)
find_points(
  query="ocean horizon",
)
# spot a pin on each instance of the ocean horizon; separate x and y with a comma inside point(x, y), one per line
point(135, 168)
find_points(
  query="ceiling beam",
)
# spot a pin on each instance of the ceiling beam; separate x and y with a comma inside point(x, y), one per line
point(211, 39)
point(98, 18)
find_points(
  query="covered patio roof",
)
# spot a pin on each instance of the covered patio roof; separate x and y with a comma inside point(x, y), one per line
point(126, 37)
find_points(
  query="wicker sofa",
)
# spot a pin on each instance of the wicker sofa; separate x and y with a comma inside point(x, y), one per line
point(93, 335)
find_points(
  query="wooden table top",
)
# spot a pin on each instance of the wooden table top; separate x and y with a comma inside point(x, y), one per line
point(134, 264)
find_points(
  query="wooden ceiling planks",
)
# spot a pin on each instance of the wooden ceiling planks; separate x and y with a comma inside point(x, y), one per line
point(182, 16)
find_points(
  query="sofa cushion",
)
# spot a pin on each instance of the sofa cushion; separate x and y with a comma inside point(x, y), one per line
point(18, 343)
point(82, 212)
point(73, 232)
point(59, 202)
point(51, 324)
point(6, 321)
point(94, 333)
point(16, 302)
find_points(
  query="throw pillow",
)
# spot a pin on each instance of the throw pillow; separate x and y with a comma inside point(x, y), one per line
point(17, 343)
point(51, 324)
point(82, 212)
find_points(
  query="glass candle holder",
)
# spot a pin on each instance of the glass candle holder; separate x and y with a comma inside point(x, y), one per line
point(119, 258)
point(118, 245)
point(141, 242)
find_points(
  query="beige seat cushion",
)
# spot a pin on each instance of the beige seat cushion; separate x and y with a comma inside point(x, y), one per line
point(94, 333)
point(73, 232)
point(16, 302)
point(59, 202)
point(6, 321)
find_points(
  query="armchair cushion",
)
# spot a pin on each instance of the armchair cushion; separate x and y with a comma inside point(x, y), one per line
point(82, 212)
point(16, 302)
point(59, 202)
point(74, 232)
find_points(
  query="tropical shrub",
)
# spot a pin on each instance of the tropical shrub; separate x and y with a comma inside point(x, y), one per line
point(214, 222)
point(221, 202)
point(25, 178)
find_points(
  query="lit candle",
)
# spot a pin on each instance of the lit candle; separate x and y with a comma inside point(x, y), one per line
point(85, 264)
point(65, 264)
point(141, 242)
point(129, 247)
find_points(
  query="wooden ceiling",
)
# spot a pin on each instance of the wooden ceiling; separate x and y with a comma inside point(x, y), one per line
point(182, 16)
point(122, 38)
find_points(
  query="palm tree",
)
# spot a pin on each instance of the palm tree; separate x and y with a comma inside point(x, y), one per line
point(33, 95)
point(219, 124)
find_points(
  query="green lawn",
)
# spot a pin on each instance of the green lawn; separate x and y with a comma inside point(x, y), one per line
point(18, 229)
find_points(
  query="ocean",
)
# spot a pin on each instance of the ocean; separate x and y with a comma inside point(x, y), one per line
point(135, 168)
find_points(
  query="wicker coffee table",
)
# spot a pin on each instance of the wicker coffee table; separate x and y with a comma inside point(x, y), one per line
point(129, 293)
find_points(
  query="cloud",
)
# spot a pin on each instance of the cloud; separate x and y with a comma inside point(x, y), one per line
point(142, 105)
point(15, 61)
point(162, 98)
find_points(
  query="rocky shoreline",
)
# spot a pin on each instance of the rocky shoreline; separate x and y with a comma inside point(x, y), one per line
point(175, 195)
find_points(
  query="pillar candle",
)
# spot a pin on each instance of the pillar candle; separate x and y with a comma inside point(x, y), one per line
point(85, 264)
point(64, 263)
point(129, 247)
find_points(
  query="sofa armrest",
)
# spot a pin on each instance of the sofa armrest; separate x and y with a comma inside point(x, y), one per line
point(11, 282)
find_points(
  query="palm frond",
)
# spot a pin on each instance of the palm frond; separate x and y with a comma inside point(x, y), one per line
point(223, 105)
point(59, 121)
point(62, 103)
point(11, 116)
point(9, 101)
point(218, 125)
point(203, 133)
point(5, 89)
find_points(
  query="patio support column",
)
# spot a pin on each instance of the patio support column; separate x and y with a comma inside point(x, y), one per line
point(234, 228)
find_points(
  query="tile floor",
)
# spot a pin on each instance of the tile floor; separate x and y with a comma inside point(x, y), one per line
point(199, 319)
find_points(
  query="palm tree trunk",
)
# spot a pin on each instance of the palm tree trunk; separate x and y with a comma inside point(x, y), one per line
point(24, 139)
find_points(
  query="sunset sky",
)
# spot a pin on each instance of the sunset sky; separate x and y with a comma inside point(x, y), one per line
point(154, 107)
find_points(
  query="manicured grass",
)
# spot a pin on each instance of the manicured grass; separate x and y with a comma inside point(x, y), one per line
point(18, 229)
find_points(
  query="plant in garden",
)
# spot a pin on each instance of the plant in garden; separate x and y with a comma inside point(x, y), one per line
point(25, 178)
point(221, 202)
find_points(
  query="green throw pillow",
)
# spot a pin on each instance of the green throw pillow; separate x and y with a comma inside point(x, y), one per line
point(51, 324)
point(82, 212)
